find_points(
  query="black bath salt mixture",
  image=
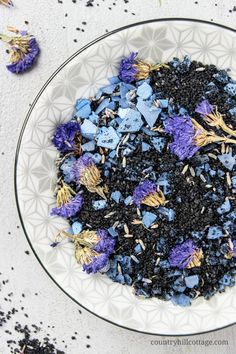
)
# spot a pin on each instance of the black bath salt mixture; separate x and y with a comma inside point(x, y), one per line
point(27, 338)
point(150, 160)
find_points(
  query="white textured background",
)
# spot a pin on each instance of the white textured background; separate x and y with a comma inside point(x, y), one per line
point(46, 20)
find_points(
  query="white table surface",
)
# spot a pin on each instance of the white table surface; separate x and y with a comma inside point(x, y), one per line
point(46, 20)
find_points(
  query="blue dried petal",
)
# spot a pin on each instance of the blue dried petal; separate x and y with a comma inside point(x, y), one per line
point(128, 279)
point(215, 232)
point(224, 208)
point(227, 280)
point(163, 181)
point(227, 160)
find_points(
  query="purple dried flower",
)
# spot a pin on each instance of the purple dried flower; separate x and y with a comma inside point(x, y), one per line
point(24, 50)
point(80, 166)
point(182, 130)
point(204, 108)
point(70, 208)
point(65, 136)
point(97, 263)
point(106, 243)
point(144, 189)
point(185, 255)
point(127, 70)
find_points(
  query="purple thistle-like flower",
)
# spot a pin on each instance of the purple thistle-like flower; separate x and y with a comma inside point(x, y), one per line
point(80, 166)
point(143, 190)
point(204, 108)
point(70, 208)
point(97, 263)
point(183, 254)
point(106, 244)
point(64, 137)
point(182, 130)
point(127, 70)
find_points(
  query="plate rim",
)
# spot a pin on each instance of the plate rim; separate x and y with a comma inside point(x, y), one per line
point(78, 52)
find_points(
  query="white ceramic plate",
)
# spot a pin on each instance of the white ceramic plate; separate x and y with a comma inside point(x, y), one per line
point(81, 76)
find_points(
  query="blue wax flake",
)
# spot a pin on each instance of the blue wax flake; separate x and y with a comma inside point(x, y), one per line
point(158, 143)
point(222, 76)
point(227, 160)
point(76, 227)
point(116, 196)
point(230, 89)
point(179, 285)
point(183, 111)
point(167, 212)
point(227, 280)
point(83, 108)
point(215, 232)
point(112, 154)
point(232, 215)
point(220, 173)
point(149, 132)
point(66, 168)
point(104, 104)
point(150, 116)
point(89, 146)
point(197, 234)
point(128, 200)
point(163, 103)
point(232, 111)
point(107, 137)
point(137, 248)
point(94, 118)
point(128, 279)
point(96, 157)
point(114, 80)
point(145, 147)
point(212, 88)
point(191, 281)
point(112, 106)
point(99, 204)
point(144, 91)
point(109, 89)
point(112, 232)
point(88, 129)
point(224, 208)
point(233, 179)
point(131, 121)
point(148, 219)
point(163, 181)
point(181, 299)
point(127, 151)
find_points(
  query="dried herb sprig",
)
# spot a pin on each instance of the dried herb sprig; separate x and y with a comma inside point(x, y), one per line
point(7, 3)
